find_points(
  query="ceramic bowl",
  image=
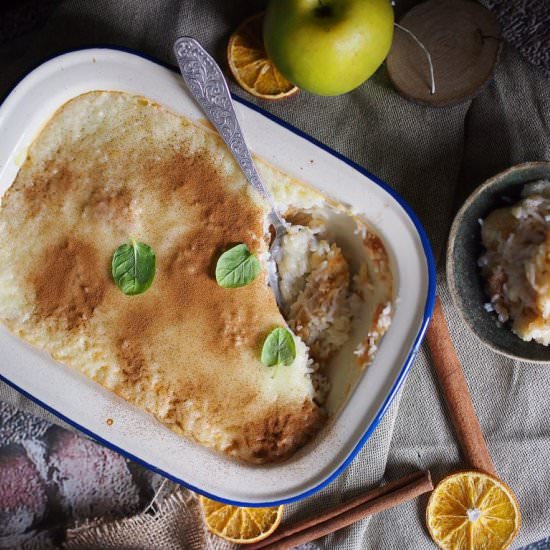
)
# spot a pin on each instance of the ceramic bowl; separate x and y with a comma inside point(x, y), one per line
point(464, 249)
point(136, 434)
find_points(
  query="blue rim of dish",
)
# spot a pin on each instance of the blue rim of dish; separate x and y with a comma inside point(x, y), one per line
point(428, 309)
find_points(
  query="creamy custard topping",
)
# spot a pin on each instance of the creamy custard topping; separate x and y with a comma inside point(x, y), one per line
point(109, 166)
point(112, 166)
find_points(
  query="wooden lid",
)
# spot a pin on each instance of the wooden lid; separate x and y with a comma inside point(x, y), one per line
point(464, 41)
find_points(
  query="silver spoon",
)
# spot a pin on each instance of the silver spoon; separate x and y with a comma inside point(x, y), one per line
point(208, 86)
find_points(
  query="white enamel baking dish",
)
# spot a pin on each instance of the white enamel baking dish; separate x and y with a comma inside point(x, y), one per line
point(134, 433)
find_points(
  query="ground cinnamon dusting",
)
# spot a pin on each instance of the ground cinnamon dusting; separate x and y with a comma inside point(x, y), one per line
point(50, 186)
point(134, 328)
point(226, 218)
point(283, 431)
point(185, 292)
point(70, 283)
point(186, 348)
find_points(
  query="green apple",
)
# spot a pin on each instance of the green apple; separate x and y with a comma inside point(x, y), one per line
point(328, 47)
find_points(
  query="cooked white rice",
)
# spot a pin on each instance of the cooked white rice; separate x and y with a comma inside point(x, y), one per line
point(516, 263)
point(315, 285)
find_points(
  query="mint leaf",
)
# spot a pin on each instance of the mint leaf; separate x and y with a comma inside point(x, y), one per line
point(279, 348)
point(237, 267)
point(133, 267)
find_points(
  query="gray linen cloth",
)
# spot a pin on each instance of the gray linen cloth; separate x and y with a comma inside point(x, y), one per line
point(434, 158)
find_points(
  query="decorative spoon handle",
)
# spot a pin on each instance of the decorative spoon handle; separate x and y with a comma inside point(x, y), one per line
point(206, 82)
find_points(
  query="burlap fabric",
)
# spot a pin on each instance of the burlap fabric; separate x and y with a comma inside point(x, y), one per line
point(434, 158)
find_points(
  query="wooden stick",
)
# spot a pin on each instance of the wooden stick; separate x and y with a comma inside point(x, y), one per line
point(374, 501)
point(456, 394)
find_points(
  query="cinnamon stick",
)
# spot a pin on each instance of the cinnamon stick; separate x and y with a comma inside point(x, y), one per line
point(392, 494)
point(456, 394)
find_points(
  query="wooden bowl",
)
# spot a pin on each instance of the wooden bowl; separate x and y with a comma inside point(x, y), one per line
point(464, 250)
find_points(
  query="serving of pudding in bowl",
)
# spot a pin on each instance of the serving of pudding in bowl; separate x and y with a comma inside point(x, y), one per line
point(497, 262)
point(516, 263)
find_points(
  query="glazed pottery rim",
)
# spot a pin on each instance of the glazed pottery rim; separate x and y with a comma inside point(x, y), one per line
point(450, 267)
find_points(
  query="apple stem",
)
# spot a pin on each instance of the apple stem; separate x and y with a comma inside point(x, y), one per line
point(323, 9)
point(428, 56)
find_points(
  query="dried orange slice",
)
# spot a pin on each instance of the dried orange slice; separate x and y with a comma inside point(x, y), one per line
point(250, 66)
point(240, 525)
point(472, 511)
